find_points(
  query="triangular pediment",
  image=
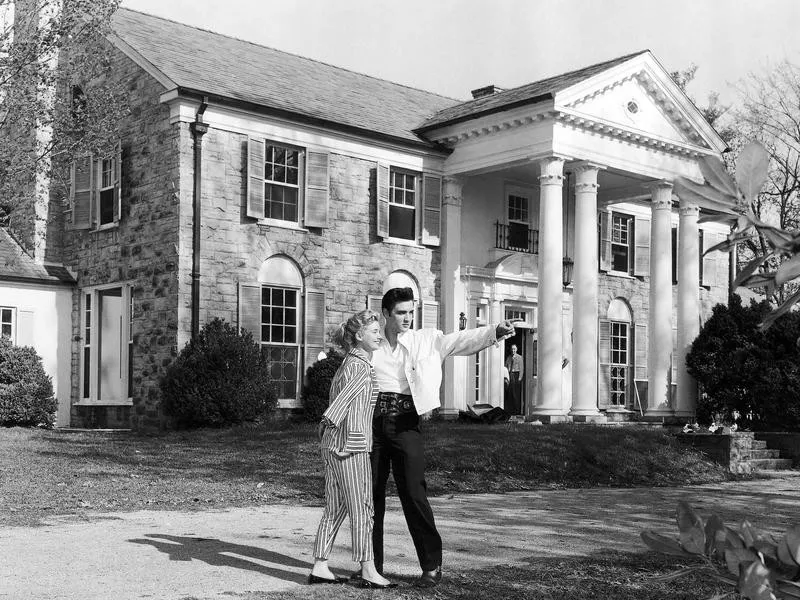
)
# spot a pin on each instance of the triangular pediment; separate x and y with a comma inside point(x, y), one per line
point(639, 96)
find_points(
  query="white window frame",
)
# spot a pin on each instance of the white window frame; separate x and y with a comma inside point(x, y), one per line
point(105, 184)
point(12, 323)
point(629, 245)
point(299, 187)
point(626, 366)
point(299, 343)
point(126, 345)
point(417, 191)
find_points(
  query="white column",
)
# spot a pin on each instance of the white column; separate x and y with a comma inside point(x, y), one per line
point(453, 295)
point(548, 392)
point(660, 321)
point(495, 357)
point(688, 303)
point(584, 299)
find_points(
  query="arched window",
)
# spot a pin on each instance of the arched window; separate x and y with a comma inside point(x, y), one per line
point(403, 279)
point(620, 355)
point(281, 291)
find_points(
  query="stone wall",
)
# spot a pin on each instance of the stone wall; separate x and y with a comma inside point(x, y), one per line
point(732, 450)
point(142, 251)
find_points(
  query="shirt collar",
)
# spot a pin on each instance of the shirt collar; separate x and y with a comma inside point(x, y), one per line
point(359, 353)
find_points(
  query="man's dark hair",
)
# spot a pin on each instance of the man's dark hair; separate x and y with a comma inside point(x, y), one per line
point(395, 296)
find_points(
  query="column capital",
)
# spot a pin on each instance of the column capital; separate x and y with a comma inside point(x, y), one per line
point(585, 166)
point(452, 190)
point(552, 170)
point(688, 209)
point(661, 192)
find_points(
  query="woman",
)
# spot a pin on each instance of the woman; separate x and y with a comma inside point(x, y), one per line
point(346, 434)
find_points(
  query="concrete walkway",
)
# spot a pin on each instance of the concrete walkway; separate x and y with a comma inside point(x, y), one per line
point(219, 554)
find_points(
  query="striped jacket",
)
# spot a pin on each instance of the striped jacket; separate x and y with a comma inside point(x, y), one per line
point(354, 392)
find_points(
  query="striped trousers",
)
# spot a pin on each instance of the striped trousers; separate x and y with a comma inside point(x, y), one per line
point(348, 491)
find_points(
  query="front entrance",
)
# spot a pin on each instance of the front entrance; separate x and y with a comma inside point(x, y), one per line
point(520, 357)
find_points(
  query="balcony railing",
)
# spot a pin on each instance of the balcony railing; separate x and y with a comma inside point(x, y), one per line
point(517, 237)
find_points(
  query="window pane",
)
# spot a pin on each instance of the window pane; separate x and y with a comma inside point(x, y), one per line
point(401, 223)
point(6, 315)
point(290, 297)
point(6, 330)
point(292, 158)
point(265, 295)
point(265, 333)
point(269, 171)
point(291, 316)
point(107, 206)
point(277, 315)
point(277, 333)
point(291, 175)
point(280, 173)
point(290, 335)
point(619, 258)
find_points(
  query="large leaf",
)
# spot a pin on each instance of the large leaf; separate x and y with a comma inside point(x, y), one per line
point(701, 194)
point(779, 239)
point(789, 547)
point(788, 270)
point(752, 169)
point(734, 557)
point(661, 543)
point(760, 280)
point(717, 175)
point(788, 589)
point(693, 535)
point(754, 582)
point(750, 269)
point(715, 535)
point(780, 311)
point(733, 539)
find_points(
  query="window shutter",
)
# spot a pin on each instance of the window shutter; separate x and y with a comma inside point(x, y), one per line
point(250, 309)
point(314, 317)
point(641, 252)
point(640, 351)
point(432, 209)
point(256, 155)
point(382, 199)
point(317, 189)
point(708, 275)
point(604, 363)
point(674, 250)
point(605, 240)
point(81, 187)
point(118, 182)
point(430, 315)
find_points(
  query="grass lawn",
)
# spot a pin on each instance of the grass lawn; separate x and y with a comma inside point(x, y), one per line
point(44, 473)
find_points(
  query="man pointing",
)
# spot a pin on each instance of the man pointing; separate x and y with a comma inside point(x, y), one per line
point(408, 367)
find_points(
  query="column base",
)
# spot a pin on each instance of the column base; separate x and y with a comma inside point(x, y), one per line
point(589, 418)
point(559, 418)
point(659, 412)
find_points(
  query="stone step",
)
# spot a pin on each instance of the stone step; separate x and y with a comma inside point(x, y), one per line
point(759, 444)
point(766, 453)
point(770, 463)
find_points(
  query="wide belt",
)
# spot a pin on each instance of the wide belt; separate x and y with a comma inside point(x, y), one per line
point(391, 404)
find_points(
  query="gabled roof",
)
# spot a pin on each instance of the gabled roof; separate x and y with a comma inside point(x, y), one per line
point(197, 60)
point(18, 265)
point(526, 94)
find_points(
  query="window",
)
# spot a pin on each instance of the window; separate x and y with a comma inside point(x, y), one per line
point(279, 336)
point(517, 208)
point(480, 320)
point(7, 322)
point(402, 205)
point(620, 242)
point(87, 345)
point(281, 183)
point(619, 363)
point(95, 190)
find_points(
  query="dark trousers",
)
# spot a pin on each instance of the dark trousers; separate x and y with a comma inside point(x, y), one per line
point(397, 448)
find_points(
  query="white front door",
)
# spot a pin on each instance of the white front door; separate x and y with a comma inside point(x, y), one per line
point(110, 347)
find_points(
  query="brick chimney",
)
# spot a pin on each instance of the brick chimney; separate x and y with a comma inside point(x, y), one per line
point(488, 90)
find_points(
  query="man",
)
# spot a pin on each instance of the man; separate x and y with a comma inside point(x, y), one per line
point(515, 369)
point(408, 368)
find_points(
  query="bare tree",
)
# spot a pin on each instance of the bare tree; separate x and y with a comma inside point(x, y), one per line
point(54, 102)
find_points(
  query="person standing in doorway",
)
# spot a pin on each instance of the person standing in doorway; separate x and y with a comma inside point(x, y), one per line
point(515, 371)
point(408, 368)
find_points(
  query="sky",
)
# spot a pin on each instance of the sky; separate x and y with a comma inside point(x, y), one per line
point(453, 46)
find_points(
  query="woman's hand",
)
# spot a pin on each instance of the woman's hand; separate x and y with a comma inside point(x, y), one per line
point(341, 454)
point(321, 429)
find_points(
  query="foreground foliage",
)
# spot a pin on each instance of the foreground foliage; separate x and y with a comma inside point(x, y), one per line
point(221, 378)
point(318, 385)
point(26, 390)
point(749, 376)
point(754, 563)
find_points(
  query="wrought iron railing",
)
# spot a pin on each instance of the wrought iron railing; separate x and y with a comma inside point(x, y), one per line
point(517, 237)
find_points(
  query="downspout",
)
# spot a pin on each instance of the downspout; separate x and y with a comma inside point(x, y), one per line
point(198, 129)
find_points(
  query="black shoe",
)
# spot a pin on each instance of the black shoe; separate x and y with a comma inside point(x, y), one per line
point(371, 585)
point(314, 579)
point(430, 579)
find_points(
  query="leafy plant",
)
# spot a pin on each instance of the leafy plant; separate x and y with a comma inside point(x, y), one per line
point(318, 385)
point(26, 390)
point(754, 563)
point(781, 263)
point(221, 378)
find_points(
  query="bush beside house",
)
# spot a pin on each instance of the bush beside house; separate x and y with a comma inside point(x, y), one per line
point(26, 390)
point(318, 385)
point(221, 378)
point(748, 376)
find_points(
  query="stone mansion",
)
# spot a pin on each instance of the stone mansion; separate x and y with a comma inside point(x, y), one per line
point(282, 194)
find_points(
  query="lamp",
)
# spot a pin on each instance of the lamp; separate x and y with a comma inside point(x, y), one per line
point(462, 321)
point(566, 274)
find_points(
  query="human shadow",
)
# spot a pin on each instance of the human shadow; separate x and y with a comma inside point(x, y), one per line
point(218, 553)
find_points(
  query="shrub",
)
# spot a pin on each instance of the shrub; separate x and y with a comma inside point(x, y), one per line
point(318, 385)
point(26, 391)
point(748, 375)
point(221, 378)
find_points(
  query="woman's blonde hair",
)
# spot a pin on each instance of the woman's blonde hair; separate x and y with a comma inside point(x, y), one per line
point(345, 334)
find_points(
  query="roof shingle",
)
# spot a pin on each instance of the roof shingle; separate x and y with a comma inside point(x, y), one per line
point(16, 264)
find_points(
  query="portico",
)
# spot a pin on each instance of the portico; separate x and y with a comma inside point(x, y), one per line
point(584, 165)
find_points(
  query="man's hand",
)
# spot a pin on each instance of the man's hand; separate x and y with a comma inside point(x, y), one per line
point(505, 329)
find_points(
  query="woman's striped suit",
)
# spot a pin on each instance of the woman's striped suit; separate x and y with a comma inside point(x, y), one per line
point(348, 480)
